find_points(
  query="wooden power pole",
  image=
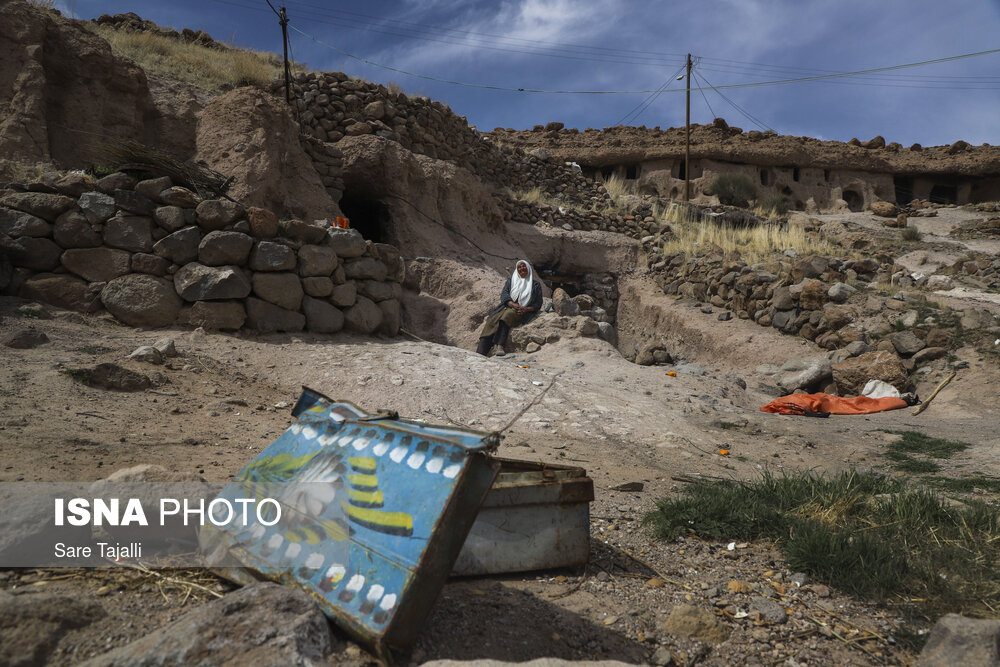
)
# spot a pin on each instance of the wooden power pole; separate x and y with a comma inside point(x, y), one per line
point(687, 136)
point(283, 20)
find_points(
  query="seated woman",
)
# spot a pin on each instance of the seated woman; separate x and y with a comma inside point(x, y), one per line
point(520, 302)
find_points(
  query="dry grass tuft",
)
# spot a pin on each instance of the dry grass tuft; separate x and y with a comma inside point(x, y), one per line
point(192, 63)
point(754, 243)
point(618, 186)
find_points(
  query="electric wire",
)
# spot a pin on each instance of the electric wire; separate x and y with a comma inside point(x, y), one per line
point(756, 84)
point(642, 106)
point(705, 97)
point(756, 121)
point(547, 44)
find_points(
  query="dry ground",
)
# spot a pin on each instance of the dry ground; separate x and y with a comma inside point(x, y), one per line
point(622, 422)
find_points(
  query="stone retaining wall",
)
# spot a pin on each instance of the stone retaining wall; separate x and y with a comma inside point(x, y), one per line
point(154, 254)
point(332, 105)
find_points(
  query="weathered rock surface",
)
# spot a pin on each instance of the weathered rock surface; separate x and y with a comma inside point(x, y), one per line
point(197, 282)
point(32, 625)
point(141, 300)
point(251, 135)
point(852, 374)
point(281, 289)
point(364, 316)
point(957, 640)
point(62, 290)
point(322, 317)
point(262, 624)
point(219, 248)
point(267, 317)
point(96, 264)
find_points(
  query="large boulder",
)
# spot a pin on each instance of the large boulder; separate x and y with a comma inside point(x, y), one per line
point(32, 253)
point(346, 242)
point(281, 289)
point(321, 317)
point(907, 343)
point(39, 204)
point(18, 223)
point(96, 206)
point(73, 230)
point(271, 256)
point(141, 300)
point(218, 213)
point(267, 317)
point(172, 218)
point(253, 136)
point(365, 268)
point(180, 247)
point(364, 316)
point(96, 264)
point(316, 260)
point(197, 282)
point(219, 248)
point(851, 375)
point(62, 290)
point(806, 374)
point(344, 295)
point(262, 624)
point(129, 232)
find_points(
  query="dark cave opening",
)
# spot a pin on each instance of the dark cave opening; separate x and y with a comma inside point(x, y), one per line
point(369, 216)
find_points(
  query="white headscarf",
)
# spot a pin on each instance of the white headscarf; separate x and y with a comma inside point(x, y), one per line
point(520, 288)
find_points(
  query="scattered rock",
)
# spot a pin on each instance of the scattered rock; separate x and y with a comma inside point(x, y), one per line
point(957, 640)
point(147, 354)
point(113, 376)
point(262, 624)
point(25, 339)
point(688, 622)
point(32, 625)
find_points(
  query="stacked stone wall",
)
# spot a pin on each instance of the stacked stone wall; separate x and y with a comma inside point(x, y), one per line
point(331, 105)
point(154, 254)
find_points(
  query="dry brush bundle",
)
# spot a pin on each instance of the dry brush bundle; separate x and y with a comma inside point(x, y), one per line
point(130, 155)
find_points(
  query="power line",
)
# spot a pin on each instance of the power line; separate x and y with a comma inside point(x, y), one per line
point(756, 84)
point(759, 123)
point(524, 41)
point(704, 97)
point(642, 106)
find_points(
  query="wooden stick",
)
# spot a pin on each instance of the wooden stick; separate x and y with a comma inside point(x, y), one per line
point(922, 406)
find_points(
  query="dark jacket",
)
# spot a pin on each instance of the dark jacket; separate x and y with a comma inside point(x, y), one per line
point(536, 300)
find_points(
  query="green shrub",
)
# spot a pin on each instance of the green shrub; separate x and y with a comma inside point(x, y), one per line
point(911, 234)
point(733, 189)
point(775, 204)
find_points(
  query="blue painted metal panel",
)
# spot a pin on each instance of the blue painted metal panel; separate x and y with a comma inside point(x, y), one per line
point(374, 511)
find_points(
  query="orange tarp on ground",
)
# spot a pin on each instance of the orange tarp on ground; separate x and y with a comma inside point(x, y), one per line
point(799, 404)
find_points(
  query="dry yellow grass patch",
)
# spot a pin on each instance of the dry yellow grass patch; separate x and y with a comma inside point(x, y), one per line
point(753, 243)
point(192, 63)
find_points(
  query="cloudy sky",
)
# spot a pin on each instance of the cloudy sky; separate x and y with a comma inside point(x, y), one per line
point(625, 46)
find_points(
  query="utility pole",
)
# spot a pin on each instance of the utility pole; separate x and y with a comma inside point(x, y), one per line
point(283, 20)
point(687, 137)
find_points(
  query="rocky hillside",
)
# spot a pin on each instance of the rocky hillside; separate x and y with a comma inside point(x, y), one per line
point(719, 141)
